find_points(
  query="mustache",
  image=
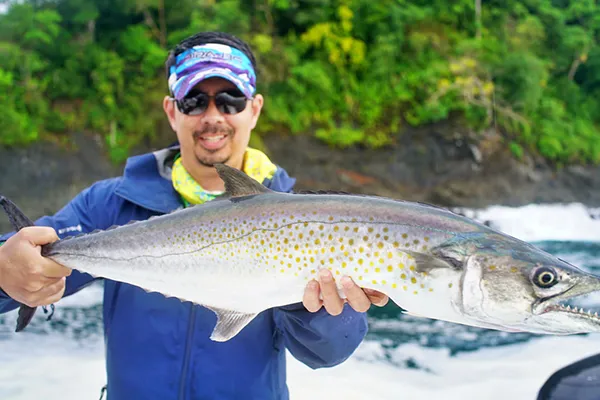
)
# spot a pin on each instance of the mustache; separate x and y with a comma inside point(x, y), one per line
point(213, 129)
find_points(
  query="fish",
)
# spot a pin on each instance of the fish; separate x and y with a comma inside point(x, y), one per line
point(253, 249)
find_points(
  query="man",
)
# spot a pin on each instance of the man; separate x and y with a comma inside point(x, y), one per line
point(157, 347)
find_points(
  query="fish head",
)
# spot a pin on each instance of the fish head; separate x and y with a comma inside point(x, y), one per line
point(518, 287)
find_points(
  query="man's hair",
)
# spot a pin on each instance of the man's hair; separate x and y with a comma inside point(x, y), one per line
point(209, 37)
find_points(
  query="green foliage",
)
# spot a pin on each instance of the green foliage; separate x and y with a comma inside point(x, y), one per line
point(354, 72)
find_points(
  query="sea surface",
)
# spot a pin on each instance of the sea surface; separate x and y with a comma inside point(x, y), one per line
point(403, 357)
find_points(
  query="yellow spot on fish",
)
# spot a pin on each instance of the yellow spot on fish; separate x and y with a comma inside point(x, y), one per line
point(431, 289)
point(415, 292)
point(365, 238)
point(412, 268)
point(361, 249)
point(426, 239)
point(383, 282)
point(370, 230)
point(380, 245)
point(282, 270)
point(404, 236)
point(336, 228)
point(403, 276)
point(396, 244)
point(300, 236)
point(513, 269)
point(312, 271)
point(390, 255)
point(492, 267)
point(450, 285)
point(390, 268)
point(422, 286)
point(320, 227)
point(374, 282)
point(330, 218)
point(355, 229)
point(360, 261)
point(344, 264)
point(377, 270)
point(405, 287)
point(351, 242)
point(401, 266)
point(360, 278)
point(394, 286)
point(317, 242)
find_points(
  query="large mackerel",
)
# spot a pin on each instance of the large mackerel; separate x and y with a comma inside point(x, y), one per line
point(255, 249)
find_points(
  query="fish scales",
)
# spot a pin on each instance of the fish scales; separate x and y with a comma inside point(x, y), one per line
point(271, 241)
point(255, 249)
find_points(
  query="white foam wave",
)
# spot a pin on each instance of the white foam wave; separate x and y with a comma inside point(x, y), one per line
point(537, 222)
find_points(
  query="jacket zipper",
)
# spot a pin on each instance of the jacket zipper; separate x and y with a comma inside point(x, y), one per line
point(188, 350)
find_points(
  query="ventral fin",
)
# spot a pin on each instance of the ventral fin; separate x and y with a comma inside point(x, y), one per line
point(229, 323)
point(237, 183)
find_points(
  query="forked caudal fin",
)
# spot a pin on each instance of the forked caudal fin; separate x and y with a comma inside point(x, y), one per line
point(19, 221)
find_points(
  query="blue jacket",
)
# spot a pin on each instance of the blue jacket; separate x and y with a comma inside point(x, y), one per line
point(159, 348)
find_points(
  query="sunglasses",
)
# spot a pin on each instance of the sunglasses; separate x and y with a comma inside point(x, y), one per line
point(227, 102)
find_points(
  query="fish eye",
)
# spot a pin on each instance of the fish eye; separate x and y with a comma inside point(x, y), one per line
point(545, 277)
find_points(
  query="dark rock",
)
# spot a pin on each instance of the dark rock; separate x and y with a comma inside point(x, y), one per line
point(436, 164)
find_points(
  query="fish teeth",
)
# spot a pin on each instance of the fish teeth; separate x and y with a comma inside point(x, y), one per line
point(568, 307)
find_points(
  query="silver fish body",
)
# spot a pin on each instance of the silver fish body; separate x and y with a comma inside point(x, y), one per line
point(257, 249)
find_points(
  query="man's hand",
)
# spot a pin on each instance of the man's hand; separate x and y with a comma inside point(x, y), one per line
point(359, 299)
point(25, 275)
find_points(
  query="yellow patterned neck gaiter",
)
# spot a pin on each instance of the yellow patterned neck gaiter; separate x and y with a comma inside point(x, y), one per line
point(256, 165)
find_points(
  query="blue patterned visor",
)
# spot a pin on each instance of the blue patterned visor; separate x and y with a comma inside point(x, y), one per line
point(211, 60)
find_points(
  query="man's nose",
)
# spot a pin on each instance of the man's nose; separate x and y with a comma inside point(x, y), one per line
point(212, 115)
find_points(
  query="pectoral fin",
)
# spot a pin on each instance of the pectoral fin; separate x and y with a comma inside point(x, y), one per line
point(229, 323)
point(427, 262)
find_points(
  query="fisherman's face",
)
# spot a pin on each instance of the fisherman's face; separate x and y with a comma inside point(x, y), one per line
point(214, 136)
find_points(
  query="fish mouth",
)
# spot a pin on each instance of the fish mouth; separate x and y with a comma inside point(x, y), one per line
point(560, 303)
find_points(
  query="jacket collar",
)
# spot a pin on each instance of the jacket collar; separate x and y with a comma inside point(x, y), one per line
point(147, 181)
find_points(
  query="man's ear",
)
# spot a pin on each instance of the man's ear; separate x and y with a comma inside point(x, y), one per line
point(169, 107)
point(257, 105)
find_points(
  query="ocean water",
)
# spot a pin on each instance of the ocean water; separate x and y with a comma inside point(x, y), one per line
point(403, 357)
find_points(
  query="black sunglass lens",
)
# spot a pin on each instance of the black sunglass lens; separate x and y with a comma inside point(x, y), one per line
point(230, 104)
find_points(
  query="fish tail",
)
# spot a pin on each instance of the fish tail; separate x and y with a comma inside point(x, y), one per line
point(18, 220)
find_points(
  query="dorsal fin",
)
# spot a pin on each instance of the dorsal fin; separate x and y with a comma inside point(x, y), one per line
point(237, 183)
point(325, 192)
